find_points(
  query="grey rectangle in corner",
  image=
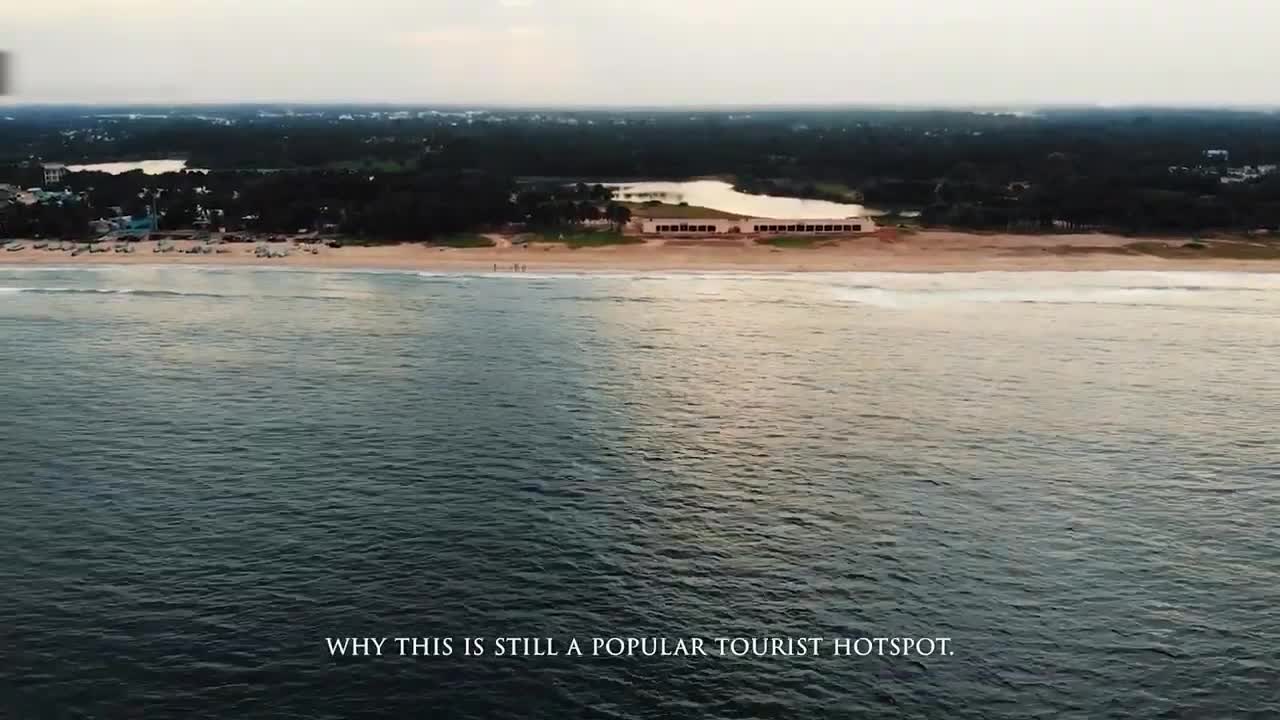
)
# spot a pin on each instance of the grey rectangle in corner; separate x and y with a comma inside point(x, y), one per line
point(4, 73)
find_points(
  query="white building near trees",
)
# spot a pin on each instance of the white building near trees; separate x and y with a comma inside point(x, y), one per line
point(757, 226)
point(54, 173)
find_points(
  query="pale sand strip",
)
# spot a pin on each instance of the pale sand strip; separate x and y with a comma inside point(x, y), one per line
point(922, 252)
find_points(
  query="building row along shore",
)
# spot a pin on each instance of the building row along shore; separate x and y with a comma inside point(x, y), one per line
point(757, 226)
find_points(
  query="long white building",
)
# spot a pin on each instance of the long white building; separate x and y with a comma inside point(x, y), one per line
point(757, 226)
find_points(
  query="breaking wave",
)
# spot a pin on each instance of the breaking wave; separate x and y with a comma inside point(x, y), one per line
point(1101, 288)
point(876, 289)
point(151, 293)
point(895, 298)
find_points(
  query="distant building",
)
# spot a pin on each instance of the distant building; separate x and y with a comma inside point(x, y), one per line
point(54, 173)
point(209, 219)
point(1222, 155)
point(138, 224)
point(126, 225)
point(757, 226)
point(32, 196)
point(1247, 173)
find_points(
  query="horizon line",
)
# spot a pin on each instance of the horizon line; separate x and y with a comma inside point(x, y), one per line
point(1009, 107)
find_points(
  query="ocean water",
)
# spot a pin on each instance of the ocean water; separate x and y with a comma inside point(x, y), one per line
point(206, 473)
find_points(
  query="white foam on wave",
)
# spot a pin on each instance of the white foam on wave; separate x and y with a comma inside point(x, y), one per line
point(894, 298)
point(72, 291)
point(640, 275)
point(166, 293)
point(1099, 288)
point(883, 289)
point(1108, 278)
point(1102, 278)
point(23, 269)
point(201, 268)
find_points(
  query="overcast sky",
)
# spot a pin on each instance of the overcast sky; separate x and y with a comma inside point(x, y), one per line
point(647, 52)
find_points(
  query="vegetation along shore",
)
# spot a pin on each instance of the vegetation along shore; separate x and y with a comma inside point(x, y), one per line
point(1054, 188)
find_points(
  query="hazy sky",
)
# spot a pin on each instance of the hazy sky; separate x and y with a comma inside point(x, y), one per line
point(647, 52)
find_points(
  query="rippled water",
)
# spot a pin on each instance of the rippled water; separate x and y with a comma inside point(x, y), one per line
point(204, 473)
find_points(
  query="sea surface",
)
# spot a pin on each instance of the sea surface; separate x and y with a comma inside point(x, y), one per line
point(720, 195)
point(206, 473)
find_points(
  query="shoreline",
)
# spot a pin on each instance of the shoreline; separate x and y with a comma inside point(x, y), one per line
point(922, 252)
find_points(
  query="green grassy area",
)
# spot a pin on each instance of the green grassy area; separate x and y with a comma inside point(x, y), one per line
point(839, 191)
point(587, 239)
point(462, 240)
point(1233, 250)
point(795, 241)
point(677, 212)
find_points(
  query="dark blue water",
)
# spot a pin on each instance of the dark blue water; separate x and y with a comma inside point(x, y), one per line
point(205, 474)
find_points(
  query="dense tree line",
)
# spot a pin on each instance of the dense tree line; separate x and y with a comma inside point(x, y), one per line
point(45, 220)
point(382, 207)
point(386, 177)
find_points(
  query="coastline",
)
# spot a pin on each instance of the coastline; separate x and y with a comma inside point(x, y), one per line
point(926, 251)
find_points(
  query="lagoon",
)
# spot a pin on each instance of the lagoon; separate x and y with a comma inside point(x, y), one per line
point(722, 196)
point(150, 167)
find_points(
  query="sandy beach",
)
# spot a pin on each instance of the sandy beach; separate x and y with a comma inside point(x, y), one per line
point(927, 251)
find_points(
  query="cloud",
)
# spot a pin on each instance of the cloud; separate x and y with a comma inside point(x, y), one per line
point(650, 51)
point(109, 10)
point(519, 63)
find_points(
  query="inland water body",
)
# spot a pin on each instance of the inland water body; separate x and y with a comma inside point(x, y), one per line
point(720, 195)
point(204, 474)
point(149, 167)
